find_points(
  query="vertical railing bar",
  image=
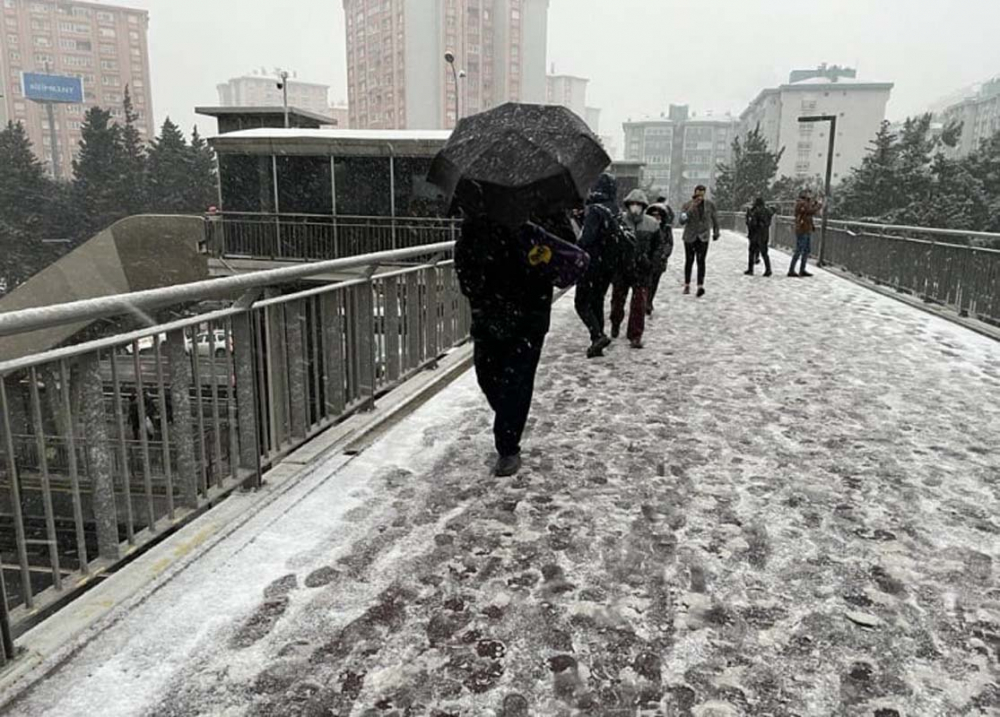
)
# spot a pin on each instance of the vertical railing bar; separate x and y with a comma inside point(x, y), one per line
point(164, 427)
point(147, 468)
point(200, 410)
point(15, 499)
point(43, 463)
point(216, 424)
point(123, 447)
point(234, 442)
point(74, 474)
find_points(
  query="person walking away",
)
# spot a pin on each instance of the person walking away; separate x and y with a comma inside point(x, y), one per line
point(511, 305)
point(598, 239)
point(635, 275)
point(806, 209)
point(758, 221)
point(662, 212)
point(700, 219)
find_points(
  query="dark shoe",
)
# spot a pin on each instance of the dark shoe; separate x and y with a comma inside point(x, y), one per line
point(636, 344)
point(805, 274)
point(507, 466)
point(615, 331)
point(701, 291)
point(768, 273)
point(687, 289)
point(793, 274)
point(649, 310)
point(594, 351)
point(748, 272)
point(603, 342)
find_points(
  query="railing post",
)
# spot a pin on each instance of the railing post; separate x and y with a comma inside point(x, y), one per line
point(99, 457)
point(390, 328)
point(248, 414)
point(365, 322)
point(333, 353)
point(295, 341)
point(183, 433)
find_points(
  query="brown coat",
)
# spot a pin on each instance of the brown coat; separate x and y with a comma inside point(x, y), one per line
point(805, 211)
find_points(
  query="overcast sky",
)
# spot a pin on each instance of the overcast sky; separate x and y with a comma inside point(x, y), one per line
point(641, 55)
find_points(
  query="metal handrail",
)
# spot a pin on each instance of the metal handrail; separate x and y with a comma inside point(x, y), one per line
point(44, 317)
point(103, 447)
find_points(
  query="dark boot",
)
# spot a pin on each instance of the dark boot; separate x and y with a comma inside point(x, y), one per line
point(616, 331)
point(507, 466)
point(701, 291)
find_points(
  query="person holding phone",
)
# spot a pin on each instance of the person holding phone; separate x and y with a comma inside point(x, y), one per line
point(700, 219)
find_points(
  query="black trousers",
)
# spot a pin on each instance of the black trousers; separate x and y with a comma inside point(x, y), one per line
point(591, 295)
point(654, 281)
point(506, 373)
point(758, 250)
point(695, 251)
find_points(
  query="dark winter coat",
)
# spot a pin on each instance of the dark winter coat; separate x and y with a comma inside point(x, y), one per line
point(598, 234)
point(805, 211)
point(509, 298)
point(648, 240)
point(758, 220)
point(701, 221)
point(666, 247)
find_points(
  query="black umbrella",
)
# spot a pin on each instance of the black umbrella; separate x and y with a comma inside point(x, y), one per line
point(517, 160)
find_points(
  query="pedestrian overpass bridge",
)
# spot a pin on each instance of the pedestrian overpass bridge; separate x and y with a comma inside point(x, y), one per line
point(786, 504)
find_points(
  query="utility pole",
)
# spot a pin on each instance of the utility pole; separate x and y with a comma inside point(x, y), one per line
point(832, 119)
point(53, 136)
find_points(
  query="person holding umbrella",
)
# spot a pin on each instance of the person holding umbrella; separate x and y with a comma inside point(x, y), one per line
point(514, 172)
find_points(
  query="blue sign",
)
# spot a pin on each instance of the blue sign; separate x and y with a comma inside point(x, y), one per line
point(52, 88)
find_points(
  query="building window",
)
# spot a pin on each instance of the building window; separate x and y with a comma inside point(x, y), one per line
point(10, 4)
point(81, 12)
point(103, 16)
point(133, 19)
point(111, 81)
point(13, 39)
point(107, 49)
point(109, 64)
point(108, 32)
point(15, 56)
point(42, 41)
point(39, 7)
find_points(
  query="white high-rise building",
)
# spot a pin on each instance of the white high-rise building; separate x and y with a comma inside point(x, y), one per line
point(859, 108)
point(262, 91)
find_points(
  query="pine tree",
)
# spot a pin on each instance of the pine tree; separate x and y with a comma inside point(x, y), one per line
point(98, 173)
point(203, 190)
point(133, 175)
point(751, 173)
point(25, 201)
point(870, 191)
point(170, 171)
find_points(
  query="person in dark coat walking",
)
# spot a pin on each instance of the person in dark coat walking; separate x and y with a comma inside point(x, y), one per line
point(699, 217)
point(511, 305)
point(635, 275)
point(758, 220)
point(598, 240)
point(662, 212)
point(806, 209)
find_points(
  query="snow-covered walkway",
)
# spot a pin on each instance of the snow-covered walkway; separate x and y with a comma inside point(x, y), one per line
point(787, 504)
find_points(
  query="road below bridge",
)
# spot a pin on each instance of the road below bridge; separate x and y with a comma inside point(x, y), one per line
point(787, 504)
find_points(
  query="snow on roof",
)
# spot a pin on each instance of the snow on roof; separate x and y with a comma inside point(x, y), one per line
point(361, 135)
point(828, 81)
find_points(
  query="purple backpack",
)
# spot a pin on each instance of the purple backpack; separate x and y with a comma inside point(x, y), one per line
point(564, 264)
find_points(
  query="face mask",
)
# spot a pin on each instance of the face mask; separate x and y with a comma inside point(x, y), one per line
point(635, 209)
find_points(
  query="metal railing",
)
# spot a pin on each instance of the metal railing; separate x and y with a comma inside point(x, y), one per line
point(941, 266)
point(107, 444)
point(312, 237)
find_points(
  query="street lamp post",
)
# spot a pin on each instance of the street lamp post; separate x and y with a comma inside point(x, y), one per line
point(449, 57)
point(283, 86)
point(832, 119)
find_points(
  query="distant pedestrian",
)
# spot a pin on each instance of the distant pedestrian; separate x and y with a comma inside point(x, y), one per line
point(511, 301)
point(700, 219)
point(599, 240)
point(662, 212)
point(635, 274)
point(806, 209)
point(758, 221)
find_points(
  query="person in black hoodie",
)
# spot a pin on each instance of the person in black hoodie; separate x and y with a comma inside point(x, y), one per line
point(511, 305)
point(598, 240)
point(758, 220)
point(635, 275)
